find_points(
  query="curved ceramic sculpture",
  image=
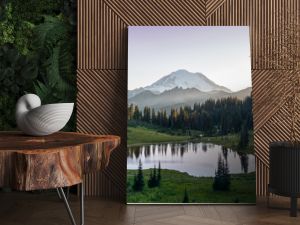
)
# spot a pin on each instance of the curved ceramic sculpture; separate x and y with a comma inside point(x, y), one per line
point(39, 120)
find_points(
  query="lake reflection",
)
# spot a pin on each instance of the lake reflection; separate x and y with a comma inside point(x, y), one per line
point(197, 159)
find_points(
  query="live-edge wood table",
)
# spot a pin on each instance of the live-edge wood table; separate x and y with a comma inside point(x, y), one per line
point(52, 162)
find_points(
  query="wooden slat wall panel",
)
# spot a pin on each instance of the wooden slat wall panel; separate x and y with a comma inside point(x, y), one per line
point(160, 12)
point(263, 17)
point(102, 70)
point(271, 119)
point(102, 109)
point(267, 95)
point(102, 37)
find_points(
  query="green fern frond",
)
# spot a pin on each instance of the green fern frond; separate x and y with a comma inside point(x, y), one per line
point(49, 33)
point(57, 62)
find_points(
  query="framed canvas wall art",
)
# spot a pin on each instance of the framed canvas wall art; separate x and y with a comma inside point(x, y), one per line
point(190, 128)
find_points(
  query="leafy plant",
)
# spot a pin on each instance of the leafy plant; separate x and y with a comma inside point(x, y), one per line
point(56, 61)
point(70, 11)
point(37, 53)
point(17, 72)
point(7, 112)
point(13, 30)
point(55, 46)
point(33, 10)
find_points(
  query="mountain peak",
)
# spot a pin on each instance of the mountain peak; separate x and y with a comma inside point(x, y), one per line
point(181, 71)
point(185, 79)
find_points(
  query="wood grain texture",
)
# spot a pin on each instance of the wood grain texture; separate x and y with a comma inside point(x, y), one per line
point(102, 50)
point(263, 17)
point(44, 209)
point(270, 114)
point(102, 95)
point(57, 160)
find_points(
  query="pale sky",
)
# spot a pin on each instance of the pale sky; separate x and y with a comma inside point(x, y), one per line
point(220, 53)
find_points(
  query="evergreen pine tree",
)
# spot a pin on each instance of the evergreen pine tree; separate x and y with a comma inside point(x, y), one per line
point(159, 174)
point(244, 136)
point(222, 176)
point(186, 196)
point(136, 113)
point(130, 112)
point(150, 181)
point(154, 176)
point(138, 184)
point(153, 116)
point(134, 186)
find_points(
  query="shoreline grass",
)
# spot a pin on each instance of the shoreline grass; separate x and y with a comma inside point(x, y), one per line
point(199, 189)
point(140, 135)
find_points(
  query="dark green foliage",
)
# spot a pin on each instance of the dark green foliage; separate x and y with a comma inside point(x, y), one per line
point(244, 161)
point(222, 176)
point(146, 115)
point(214, 117)
point(152, 182)
point(7, 112)
point(138, 183)
point(185, 197)
point(159, 173)
point(70, 11)
point(136, 113)
point(17, 72)
point(56, 72)
point(20, 17)
point(244, 136)
point(14, 30)
point(38, 52)
point(33, 10)
point(151, 179)
point(236, 200)
point(155, 177)
point(130, 111)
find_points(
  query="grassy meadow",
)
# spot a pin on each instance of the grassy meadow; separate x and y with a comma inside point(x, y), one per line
point(144, 135)
point(199, 189)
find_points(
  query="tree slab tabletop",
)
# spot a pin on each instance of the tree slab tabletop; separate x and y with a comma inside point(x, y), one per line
point(57, 160)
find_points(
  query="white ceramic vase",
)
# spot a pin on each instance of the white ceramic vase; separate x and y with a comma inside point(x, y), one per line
point(40, 120)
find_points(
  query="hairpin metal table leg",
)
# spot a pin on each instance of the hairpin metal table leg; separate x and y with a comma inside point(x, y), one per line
point(62, 195)
point(81, 203)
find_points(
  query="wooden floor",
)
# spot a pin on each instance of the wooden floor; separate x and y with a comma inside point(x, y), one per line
point(46, 209)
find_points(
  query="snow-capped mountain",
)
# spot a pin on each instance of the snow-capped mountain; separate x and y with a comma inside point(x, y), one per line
point(181, 88)
point(181, 79)
point(182, 97)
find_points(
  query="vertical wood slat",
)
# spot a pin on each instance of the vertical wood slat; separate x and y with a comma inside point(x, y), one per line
point(101, 42)
point(102, 69)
